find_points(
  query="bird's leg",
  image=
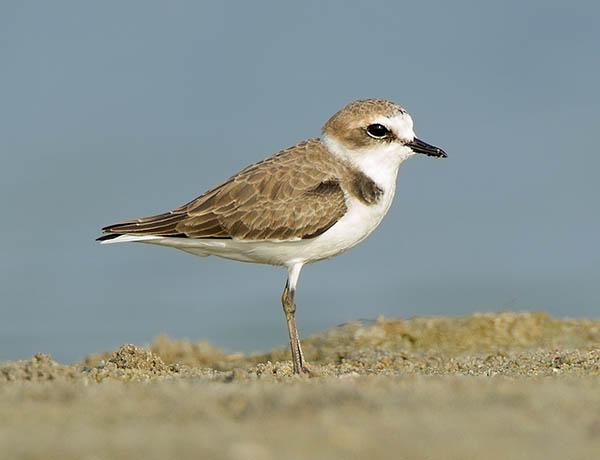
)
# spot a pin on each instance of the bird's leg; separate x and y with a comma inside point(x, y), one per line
point(289, 308)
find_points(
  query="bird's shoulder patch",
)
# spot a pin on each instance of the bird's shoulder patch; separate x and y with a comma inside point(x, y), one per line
point(365, 189)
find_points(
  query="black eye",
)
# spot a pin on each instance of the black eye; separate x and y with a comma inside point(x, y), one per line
point(377, 131)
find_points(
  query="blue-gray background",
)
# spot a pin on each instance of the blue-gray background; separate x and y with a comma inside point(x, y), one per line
point(111, 110)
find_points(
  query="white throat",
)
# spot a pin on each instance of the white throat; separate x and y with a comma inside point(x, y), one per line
point(379, 164)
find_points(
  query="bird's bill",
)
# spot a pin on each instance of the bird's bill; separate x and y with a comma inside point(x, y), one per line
point(418, 146)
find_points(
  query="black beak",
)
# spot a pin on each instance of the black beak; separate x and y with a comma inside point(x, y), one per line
point(418, 146)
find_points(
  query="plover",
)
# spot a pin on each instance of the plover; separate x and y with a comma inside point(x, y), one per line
point(306, 203)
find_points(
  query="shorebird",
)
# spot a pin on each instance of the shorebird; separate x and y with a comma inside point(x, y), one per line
point(306, 203)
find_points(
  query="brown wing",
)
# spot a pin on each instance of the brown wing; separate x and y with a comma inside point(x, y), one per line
point(294, 194)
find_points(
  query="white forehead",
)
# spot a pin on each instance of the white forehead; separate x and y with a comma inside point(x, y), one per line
point(401, 125)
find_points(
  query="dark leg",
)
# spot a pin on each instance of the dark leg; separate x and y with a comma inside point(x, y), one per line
point(289, 308)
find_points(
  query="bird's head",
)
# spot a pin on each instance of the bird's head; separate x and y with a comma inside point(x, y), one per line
point(375, 126)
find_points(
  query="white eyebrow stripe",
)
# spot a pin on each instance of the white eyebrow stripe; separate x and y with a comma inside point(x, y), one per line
point(401, 125)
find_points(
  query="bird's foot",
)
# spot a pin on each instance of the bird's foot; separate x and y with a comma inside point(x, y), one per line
point(302, 369)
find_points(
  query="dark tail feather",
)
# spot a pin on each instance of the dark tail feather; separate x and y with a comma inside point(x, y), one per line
point(107, 237)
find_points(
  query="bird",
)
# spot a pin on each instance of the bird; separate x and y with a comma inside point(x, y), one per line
point(304, 204)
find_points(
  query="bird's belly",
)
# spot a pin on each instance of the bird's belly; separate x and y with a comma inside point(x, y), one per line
point(356, 225)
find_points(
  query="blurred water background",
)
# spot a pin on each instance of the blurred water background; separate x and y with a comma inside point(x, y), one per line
point(112, 110)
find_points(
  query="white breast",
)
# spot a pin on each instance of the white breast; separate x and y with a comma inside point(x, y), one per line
point(359, 222)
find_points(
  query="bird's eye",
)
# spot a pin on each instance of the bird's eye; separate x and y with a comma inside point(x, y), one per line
point(377, 131)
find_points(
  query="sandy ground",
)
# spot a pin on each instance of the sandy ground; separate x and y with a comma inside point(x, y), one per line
point(498, 386)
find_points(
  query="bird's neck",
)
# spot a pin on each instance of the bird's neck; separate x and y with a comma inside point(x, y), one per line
point(380, 164)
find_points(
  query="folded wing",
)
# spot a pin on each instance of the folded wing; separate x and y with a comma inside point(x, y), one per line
point(295, 194)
